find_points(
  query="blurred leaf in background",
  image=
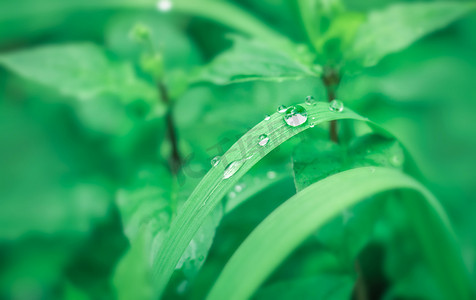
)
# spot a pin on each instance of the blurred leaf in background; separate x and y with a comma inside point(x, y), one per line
point(97, 99)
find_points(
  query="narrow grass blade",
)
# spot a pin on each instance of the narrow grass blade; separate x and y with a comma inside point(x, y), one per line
point(213, 187)
point(289, 225)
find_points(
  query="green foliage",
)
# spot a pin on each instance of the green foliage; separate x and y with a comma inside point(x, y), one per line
point(398, 26)
point(111, 111)
point(256, 60)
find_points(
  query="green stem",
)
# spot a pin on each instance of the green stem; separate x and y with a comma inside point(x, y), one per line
point(331, 81)
point(175, 161)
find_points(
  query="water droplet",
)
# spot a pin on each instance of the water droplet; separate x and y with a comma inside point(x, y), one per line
point(310, 100)
point(281, 109)
point(202, 257)
point(271, 174)
point(182, 287)
point(239, 187)
point(267, 117)
point(312, 125)
point(233, 167)
point(396, 161)
point(231, 195)
point(164, 5)
point(336, 105)
point(263, 140)
point(295, 116)
point(215, 161)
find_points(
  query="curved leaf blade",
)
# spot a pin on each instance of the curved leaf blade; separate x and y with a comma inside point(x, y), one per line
point(213, 187)
point(289, 225)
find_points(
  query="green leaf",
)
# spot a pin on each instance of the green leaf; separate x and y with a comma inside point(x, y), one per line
point(398, 26)
point(230, 15)
point(132, 275)
point(82, 71)
point(213, 187)
point(41, 190)
point(318, 159)
point(327, 286)
point(146, 208)
point(254, 59)
point(289, 225)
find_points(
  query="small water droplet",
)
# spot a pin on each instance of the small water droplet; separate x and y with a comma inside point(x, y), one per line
point(239, 187)
point(263, 140)
point(215, 161)
point(312, 125)
point(202, 257)
point(396, 161)
point(267, 117)
point(182, 287)
point(234, 166)
point(295, 116)
point(310, 100)
point(281, 109)
point(336, 105)
point(271, 174)
point(164, 5)
point(231, 195)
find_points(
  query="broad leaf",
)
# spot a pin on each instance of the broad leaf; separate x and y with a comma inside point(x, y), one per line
point(316, 160)
point(257, 60)
point(147, 207)
point(398, 26)
point(82, 71)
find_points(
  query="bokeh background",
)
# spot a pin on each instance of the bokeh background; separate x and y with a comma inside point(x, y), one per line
point(62, 160)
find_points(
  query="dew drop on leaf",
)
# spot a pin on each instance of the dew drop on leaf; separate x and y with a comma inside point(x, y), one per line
point(215, 161)
point(295, 116)
point(263, 140)
point(164, 5)
point(281, 109)
point(396, 161)
point(267, 117)
point(233, 167)
point(336, 105)
point(239, 187)
point(311, 101)
point(312, 125)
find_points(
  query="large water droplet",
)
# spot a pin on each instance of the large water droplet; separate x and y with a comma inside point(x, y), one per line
point(281, 109)
point(267, 117)
point(233, 167)
point(295, 116)
point(263, 140)
point(336, 105)
point(164, 5)
point(215, 161)
point(310, 100)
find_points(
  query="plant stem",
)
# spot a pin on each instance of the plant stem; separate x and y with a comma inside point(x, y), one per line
point(331, 81)
point(175, 160)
